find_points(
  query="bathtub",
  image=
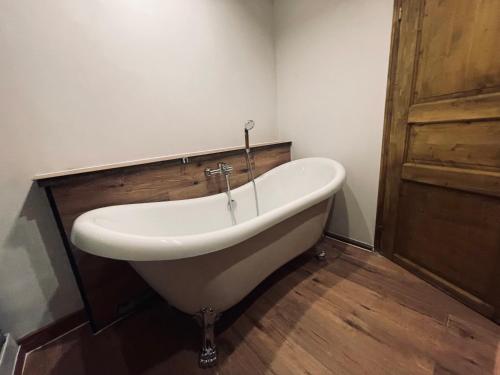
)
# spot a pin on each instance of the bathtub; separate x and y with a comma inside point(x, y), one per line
point(190, 252)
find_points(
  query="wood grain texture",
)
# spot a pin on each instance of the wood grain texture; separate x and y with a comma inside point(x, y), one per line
point(49, 178)
point(158, 182)
point(109, 284)
point(388, 114)
point(48, 333)
point(356, 313)
point(444, 148)
point(459, 52)
point(471, 180)
point(453, 235)
point(461, 109)
point(472, 145)
point(443, 284)
point(403, 88)
point(44, 335)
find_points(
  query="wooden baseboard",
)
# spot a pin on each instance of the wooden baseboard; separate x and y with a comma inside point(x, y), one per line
point(9, 350)
point(350, 241)
point(46, 334)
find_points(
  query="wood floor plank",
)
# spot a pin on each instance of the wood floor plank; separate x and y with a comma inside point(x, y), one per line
point(347, 329)
point(355, 313)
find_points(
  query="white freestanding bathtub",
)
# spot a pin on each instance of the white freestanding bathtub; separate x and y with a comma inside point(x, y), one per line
point(190, 252)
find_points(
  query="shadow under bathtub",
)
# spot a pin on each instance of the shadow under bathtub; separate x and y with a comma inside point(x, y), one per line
point(162, 340)
point(278, 303)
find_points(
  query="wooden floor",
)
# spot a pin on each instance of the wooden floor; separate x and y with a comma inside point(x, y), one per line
point(356, 313)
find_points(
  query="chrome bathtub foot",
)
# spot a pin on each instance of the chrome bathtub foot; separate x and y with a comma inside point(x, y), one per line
point(319, 251)
point(208, 354)
point(320, 255)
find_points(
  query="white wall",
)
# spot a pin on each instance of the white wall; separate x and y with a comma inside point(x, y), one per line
point(88, 82)
point(331, 64)
point(92, 82)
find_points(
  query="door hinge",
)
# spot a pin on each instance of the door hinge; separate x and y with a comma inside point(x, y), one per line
point(400, 13)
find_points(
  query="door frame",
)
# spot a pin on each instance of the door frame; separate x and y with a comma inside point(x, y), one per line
point(393, 59)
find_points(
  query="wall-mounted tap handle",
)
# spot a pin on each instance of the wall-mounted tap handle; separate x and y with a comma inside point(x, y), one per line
point(223, 168)
point(210, 172)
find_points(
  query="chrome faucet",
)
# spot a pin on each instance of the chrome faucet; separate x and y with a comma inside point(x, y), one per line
point(223, 169)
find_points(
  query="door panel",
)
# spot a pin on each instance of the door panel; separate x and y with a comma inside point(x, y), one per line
point(440, 204)
point(441, 229)
point(470, 145)
point(459, 48)
point(472, 180)
point(461, 109)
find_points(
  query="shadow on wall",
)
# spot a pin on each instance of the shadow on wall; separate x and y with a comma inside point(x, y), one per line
point(36, 233)
point(344, 208)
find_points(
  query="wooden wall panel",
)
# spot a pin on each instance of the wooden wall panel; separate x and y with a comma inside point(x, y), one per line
point(109, 286)
point(459, 49)
point(170, 180)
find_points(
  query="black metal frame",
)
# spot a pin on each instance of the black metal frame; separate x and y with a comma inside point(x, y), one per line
point(71, 258)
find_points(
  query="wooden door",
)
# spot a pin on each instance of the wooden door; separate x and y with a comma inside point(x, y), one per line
point(439, 202)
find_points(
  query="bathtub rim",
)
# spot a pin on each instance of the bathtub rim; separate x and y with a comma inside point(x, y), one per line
point(114, 244)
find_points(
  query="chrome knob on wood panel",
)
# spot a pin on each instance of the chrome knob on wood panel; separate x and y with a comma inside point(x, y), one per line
point(223, 169)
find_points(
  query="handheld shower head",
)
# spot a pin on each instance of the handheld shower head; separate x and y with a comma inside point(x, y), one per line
point(249, 125)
